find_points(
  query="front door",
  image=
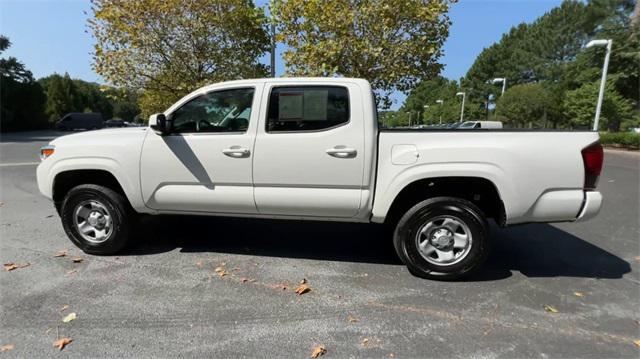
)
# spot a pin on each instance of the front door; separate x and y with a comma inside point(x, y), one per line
point(309, 153)
point(204, 165)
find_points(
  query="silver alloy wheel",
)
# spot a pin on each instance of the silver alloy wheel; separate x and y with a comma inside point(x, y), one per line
point(93, 221)
point(444, 240)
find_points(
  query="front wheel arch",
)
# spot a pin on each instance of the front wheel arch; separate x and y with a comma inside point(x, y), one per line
point(64, 181)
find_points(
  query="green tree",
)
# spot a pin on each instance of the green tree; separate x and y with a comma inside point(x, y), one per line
point(624, 65)
point(580, 107)
point(21, 98)
point(540, 51)
point(93, 99)
point(393, 44)
point(62, 96)
point(170, 47)
point(439, 88)
point(125, 104)
point(528, 105)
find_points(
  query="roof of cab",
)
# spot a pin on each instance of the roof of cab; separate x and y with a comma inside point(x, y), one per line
point(336, 80)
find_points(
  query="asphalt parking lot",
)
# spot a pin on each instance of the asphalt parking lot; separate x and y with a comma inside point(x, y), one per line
point(163, 297)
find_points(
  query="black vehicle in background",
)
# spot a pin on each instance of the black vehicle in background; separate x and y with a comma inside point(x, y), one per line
point(115, 123)
point(80, 121)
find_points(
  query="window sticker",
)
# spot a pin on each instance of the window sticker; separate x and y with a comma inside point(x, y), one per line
point(290, 106)
point(315, 105)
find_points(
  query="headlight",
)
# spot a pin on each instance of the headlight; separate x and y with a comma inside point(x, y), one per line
point(46, 151)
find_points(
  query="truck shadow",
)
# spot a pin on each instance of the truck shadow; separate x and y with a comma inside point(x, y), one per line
point(535, 250)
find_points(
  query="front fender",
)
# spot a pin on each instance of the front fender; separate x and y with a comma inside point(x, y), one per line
point(48, 170)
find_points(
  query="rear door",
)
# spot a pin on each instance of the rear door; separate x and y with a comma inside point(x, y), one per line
point(309, 150)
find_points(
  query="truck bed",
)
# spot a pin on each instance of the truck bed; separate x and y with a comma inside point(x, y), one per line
point(539, 175)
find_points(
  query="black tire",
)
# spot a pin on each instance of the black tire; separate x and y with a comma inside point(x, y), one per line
point(120, 214)
point(405, 238)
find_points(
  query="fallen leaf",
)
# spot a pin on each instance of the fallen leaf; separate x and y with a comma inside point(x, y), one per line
point(69, 317)
point(244, 280)
point(303, 281)
point(391, 355)
point(302, 289)
point(318, 351)
point(61, 343)
point(62, 253)
point(637, 259)
point(6, 347)
point(219, 269)
point(550, 309)
point(64, 307)
point(365, 341)
point(352, 319)
point(637, 342)
point(73, 271)
point(77, 259)
point(222, 273)
point(578, 294)
point(11, 266)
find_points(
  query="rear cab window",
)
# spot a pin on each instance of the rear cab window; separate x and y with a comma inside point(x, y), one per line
point(307, 108)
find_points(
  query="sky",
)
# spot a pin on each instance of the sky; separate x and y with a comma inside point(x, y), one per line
point(51, 35)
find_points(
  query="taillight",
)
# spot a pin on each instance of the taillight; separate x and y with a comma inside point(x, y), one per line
point(592, 156)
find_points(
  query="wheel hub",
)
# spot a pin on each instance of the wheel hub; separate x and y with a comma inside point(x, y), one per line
point(93, 221)
point(97, 220)
point(442, 239)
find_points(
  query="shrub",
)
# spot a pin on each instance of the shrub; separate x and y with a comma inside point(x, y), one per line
point(629, 140)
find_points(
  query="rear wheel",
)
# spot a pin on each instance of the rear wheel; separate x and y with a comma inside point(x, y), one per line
point(96, 219)
point(442, 238)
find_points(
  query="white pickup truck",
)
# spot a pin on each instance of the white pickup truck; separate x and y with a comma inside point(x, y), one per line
point(310, 149)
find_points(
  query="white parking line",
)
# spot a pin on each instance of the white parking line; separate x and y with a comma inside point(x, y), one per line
point(19, 164)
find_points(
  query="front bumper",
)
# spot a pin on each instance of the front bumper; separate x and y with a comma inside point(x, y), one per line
point(591, 206)
point(44, 180)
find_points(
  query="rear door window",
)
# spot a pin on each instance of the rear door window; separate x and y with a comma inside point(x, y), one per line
point(307, 108)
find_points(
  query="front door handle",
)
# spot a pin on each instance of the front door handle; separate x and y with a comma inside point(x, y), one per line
point(342, 152)
point(236, 152)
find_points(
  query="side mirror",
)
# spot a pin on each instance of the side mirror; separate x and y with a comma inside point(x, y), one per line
point(159, 124)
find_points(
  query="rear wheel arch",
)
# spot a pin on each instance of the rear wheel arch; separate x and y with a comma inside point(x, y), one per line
point(480, 191)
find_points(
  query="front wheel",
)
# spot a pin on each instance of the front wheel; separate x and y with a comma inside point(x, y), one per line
point(96, 219)
point(442, 238)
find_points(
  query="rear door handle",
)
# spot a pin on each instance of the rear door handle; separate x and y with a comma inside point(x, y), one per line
point(236, 152)
point(342, 152)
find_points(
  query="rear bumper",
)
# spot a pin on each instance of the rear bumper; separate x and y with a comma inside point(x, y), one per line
point(591, 206)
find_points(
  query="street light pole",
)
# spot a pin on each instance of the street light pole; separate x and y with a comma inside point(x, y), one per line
point(603, 81)
point(441, 102)
point(425, 110)
point(504, 83)
point(462, 106)
point(273, 49)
